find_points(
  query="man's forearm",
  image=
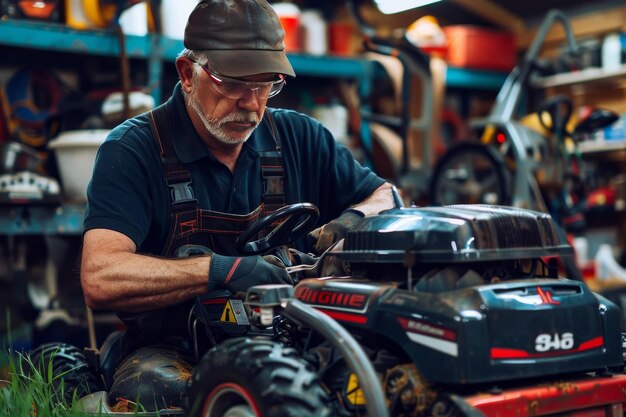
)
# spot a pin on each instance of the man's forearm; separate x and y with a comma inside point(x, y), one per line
point(380, 199)
point(132, 282)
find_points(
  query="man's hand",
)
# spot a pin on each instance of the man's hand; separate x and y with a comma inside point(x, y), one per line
point(335, 230)
point(240, 273)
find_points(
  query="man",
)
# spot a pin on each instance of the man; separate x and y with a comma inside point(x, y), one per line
point(196, 172)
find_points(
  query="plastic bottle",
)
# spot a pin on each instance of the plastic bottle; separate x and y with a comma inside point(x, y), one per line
point(581, 249)
point(611, 52)
point(606, 265)
point(313, 31)
point(134, 20)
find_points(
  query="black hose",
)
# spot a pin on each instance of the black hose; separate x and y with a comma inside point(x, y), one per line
point(353, 354)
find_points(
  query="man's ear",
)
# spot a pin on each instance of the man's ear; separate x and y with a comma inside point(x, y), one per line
point(184, 66)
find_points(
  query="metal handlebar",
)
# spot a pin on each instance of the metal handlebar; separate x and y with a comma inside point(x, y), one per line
point(551, 18)
point(509, 95)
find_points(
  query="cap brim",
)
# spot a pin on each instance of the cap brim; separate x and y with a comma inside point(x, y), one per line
point(242, 63)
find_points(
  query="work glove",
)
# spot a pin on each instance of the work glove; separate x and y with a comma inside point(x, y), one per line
point(335, 230)
point(240, 273)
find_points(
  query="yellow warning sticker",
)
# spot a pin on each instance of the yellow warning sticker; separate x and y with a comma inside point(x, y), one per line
point(227, 314)
point(354, 393)
point(235, 313)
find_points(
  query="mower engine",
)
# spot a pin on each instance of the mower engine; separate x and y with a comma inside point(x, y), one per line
point(466, 297)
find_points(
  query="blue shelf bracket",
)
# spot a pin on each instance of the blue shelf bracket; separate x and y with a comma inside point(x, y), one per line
point(24, 220)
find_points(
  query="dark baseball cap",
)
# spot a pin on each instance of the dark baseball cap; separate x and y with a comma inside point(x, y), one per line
point(240, 37)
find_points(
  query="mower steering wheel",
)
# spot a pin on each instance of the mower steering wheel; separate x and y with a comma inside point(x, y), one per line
point(292, 222)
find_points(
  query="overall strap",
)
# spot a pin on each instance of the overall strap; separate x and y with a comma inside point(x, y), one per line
point(272, 173)
point(177, 176)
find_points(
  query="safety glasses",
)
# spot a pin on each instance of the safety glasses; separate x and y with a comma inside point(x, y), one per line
point(236, 89)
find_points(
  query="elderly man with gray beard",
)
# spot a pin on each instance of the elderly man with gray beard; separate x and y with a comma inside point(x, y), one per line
point(195, 173)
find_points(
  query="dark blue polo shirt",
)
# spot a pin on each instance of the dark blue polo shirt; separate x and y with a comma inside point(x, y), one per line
point(128, 192)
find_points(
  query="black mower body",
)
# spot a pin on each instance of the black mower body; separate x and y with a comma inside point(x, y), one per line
point(479, 308)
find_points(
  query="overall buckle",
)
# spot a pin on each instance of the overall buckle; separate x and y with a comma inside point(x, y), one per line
point(181, 192)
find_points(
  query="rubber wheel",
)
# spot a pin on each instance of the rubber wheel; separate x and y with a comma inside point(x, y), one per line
point(470, 173)
point(253, 378)
point(65, 366)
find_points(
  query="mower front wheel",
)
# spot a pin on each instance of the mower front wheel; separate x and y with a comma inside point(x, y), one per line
point(254, 378)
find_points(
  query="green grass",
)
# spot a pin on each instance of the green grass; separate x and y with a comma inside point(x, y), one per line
point(32, 390)
point(29, 389)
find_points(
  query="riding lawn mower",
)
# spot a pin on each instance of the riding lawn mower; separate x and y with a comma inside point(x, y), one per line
point(453, 311)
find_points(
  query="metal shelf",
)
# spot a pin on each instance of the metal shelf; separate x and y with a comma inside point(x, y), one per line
point(592, 146)
point(57, 37)
point(61, 38)
point(474, 79)
point(604, 151)
point(579, 77)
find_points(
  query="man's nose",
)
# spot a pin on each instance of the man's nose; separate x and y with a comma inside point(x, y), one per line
point(250, 101)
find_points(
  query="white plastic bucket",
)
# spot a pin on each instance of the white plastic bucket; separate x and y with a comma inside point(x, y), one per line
point(174, 15)
point(75, 153)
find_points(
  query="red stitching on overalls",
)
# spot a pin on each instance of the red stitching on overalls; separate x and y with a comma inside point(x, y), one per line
point(189, 227)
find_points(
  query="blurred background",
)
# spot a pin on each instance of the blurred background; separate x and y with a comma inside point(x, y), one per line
point(480, 101)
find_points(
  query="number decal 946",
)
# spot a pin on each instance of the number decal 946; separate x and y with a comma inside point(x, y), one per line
point(546, 342)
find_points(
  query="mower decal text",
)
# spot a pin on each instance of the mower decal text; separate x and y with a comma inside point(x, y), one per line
point(433, 337)
point(547, 343)
point(234, 312)
point(332, 299)
point(416, 326)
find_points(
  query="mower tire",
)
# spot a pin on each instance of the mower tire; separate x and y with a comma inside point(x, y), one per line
point(246, 377)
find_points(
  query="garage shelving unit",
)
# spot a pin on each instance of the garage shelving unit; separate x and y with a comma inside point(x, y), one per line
point(156, 50)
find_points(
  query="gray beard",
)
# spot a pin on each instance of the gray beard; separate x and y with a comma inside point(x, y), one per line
point(215, 127)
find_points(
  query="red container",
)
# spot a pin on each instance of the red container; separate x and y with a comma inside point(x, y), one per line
point(480, 48)
point(291, 25)
point(340, 38)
